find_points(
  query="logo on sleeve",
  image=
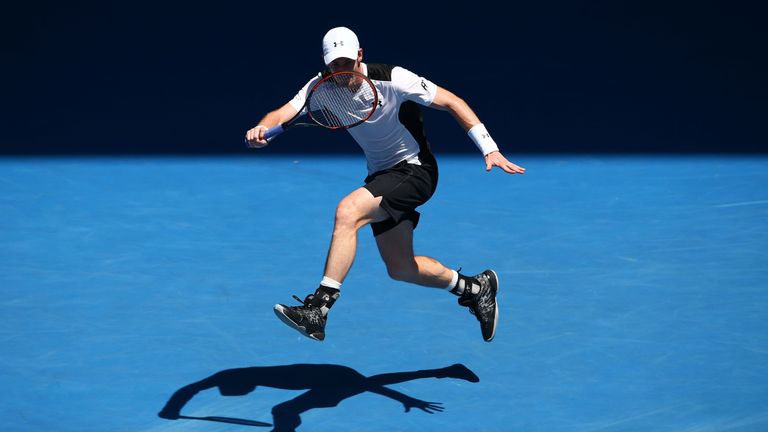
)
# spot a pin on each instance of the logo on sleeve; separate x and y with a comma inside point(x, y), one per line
point(424, 85)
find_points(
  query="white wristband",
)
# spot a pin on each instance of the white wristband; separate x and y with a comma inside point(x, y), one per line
point(482, 139)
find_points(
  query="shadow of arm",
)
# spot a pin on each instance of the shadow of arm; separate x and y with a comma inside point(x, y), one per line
point(180, 398)
point(407, 401)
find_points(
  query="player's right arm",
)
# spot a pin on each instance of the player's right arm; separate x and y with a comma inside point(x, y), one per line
point(255, 135)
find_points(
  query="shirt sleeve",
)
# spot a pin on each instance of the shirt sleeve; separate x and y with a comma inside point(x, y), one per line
point(298, 101)
point(413, 87)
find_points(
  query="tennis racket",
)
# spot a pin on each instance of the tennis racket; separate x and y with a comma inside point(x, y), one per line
point(340, 100)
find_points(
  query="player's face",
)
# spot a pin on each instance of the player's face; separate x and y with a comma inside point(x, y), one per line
point(342, 64)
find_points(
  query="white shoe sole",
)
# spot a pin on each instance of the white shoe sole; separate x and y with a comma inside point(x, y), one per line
point(496, 309)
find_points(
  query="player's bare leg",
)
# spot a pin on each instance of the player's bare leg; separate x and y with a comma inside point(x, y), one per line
point(356, 210)
point(396, 249)
point(353, 212)
point(478, 293)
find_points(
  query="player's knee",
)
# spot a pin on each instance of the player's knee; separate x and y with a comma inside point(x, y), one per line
point(347, 213)
point(404, 272)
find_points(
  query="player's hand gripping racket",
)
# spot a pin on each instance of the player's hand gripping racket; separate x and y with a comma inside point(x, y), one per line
point(340, 100)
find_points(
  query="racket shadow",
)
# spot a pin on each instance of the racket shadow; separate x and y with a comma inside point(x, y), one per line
point(230, 420)
point(327, 385)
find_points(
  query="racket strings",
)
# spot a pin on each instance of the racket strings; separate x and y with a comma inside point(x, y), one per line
point(342, 104)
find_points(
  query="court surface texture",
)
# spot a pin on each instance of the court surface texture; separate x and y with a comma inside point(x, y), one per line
point(634, 297)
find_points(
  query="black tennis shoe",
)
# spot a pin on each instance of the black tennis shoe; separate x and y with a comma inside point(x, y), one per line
point(307, 319)
point(483, 305)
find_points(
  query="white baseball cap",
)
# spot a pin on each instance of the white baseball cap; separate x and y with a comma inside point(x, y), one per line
point(340, 42)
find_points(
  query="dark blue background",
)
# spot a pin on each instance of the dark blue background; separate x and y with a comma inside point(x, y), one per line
point(560, 76)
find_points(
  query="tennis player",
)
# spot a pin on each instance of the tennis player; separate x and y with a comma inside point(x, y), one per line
point(402, 176)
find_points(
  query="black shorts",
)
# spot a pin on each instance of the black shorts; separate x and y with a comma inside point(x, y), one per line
point(403, 188)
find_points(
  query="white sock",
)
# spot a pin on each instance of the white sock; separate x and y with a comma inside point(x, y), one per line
point(330, 283)
point(454, 279)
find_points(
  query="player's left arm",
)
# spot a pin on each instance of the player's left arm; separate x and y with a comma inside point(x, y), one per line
point(446, 101)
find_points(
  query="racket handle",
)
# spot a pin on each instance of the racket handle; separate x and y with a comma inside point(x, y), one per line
point(273, 132)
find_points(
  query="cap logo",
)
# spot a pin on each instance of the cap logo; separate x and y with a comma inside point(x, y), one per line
point(337, 44)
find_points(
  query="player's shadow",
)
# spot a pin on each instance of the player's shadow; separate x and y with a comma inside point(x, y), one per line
point(326, 384)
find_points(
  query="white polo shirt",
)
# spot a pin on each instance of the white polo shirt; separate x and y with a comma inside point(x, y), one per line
point(392, 134)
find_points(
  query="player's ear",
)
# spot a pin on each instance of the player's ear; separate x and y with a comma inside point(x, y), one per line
point(359, 55)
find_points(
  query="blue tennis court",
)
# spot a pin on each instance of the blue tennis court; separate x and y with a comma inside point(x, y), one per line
point(634, 297)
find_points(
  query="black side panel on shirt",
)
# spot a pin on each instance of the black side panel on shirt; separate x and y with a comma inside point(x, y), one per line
point(410, 116)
